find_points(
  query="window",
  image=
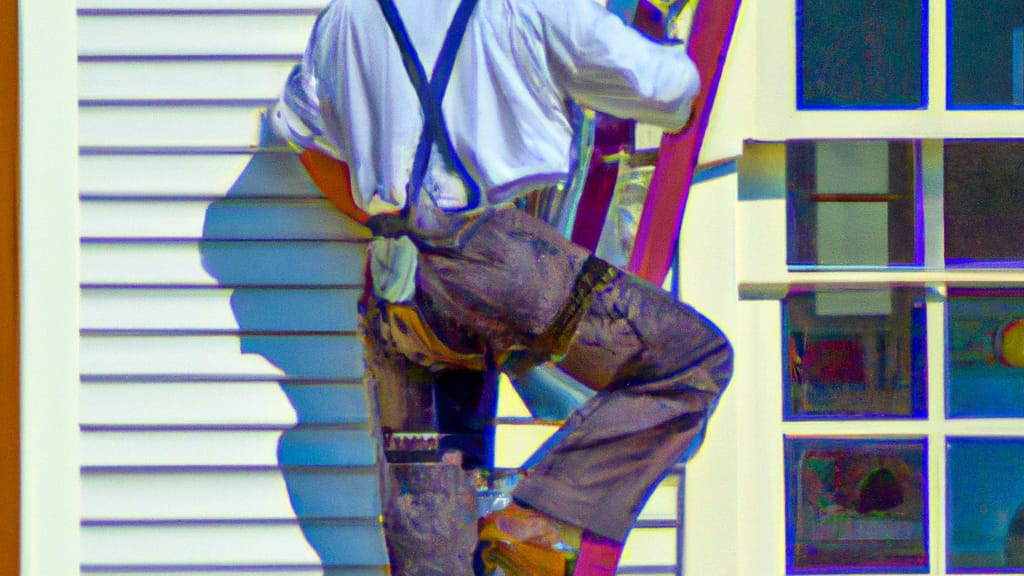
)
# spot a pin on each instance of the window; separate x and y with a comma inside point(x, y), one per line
point(851, 203)
point(901, 394)
point(986, 54)
point(856, 504)
point(861, 54)
point(985, 353)
point(854, 354)
point(984, 188)
point(985, 507)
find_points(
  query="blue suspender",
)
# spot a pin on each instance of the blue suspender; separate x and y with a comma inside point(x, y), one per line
point(431, 95)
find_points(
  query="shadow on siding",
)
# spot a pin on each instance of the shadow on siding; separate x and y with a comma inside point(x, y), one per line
point(295, 266)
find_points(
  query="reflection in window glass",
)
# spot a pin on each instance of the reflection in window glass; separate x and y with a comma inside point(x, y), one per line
point(986, 52)
point(855, 505)
point(985, 508)
point(860, 53)
point(855, 354)
point(984, 188)
point(986, 353)
point(851, 203)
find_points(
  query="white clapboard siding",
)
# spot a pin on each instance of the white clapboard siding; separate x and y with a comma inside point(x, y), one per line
point(224, 425)
point(217, 309)
point(224, 219)
point(210, 263)
point(313, 570)
point(214, 545)
point(169, 126)
point(139, 404)
point(152, 5)
point(145, 176)
point(308, 446)
point(219, 494)
point(176, 33)
point(182, 80)
point(330, 357)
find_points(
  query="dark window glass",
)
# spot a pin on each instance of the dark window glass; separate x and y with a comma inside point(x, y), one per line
point(984, 202)
point(855, 505)
point(855, 354)
point(986, 53)
point(860, 53)
point(985, 506)
point(851, 203)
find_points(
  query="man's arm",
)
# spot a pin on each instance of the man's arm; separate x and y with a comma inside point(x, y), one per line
point(296, 119)
point(608, 66)
point(331, 176)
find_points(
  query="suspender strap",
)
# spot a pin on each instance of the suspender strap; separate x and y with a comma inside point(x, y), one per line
point(431, 95)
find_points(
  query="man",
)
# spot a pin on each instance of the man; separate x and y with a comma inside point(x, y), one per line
point(425, 120)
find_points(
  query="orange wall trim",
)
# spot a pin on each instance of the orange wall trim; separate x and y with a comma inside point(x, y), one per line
point(10, 387)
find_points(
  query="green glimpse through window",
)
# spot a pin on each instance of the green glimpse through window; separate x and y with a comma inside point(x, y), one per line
point(860, 54)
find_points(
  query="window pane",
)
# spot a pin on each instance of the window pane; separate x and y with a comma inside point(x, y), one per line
point(860, 53)
point(855, 504)
point(986, 353)
point(855, 354)
point(986, 52)
point(851, 203)
point(985, 509)
point(984, 202)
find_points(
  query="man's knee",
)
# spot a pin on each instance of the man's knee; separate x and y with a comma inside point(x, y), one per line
point(716, 359)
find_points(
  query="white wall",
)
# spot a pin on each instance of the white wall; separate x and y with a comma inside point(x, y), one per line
point(224, 424)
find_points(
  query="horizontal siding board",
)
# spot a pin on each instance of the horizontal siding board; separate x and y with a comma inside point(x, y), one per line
point(254, 5)
point(260, 175)
point(140, 34)
point(188, 404)
point(182, 80)
point(224, 425)
point(225, 357)
point(191, 448)
point(221, 571)
point(220, 495)
point(171, 309)
point(224, 263)
point(241, 570)
point(237, 544)
point(169, 126)
point(215, 309)
point(224, 219)
point(229, 404)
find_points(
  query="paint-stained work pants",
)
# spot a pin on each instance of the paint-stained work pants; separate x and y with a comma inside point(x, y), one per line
point(507, 284)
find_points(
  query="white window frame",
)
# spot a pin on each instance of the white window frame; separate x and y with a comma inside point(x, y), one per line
point(49, 289)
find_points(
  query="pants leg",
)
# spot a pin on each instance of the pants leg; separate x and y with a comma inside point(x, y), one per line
point(429, 511)
point(659, 368)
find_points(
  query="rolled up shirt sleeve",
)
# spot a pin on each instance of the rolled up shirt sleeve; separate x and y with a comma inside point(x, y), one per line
point(605, 65)
point(296, 115)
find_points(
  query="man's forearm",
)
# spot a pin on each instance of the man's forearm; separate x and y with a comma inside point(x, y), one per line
point(331, 176)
